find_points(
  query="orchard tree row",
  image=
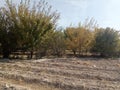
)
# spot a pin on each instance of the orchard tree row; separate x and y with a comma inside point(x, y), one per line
point(31, 27)
point(102, 41)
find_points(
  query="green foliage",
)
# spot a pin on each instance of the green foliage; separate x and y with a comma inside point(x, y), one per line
point(53, 43)
point(24, 25)
point(58, 43)
point(32, 27)
point(8, 36)
point(107, 42)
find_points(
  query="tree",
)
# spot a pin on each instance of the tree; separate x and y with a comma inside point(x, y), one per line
point(72, 39)
point(58, 43)
point(85, 38)
point(45, 44)
point(8, 37)
point(106, 42)
point(53, 43)
point(29, 23)
point(80, 38)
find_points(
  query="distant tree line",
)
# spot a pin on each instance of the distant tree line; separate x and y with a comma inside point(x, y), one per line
point(28, 27)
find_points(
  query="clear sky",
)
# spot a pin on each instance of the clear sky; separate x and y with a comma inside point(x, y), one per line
point(105, 12)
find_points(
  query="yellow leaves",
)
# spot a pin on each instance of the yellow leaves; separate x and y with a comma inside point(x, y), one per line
point(79, 38)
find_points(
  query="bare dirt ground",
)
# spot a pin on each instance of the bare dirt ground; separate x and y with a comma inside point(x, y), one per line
point(60, 74)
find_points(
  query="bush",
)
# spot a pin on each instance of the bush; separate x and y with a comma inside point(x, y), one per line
point(107, 42)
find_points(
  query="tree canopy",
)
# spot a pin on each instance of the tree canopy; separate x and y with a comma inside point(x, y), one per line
point(31, 27)
point(107, 41)
point(24, 25)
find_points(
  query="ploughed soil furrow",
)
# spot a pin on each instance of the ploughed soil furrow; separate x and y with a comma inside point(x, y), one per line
point(64, 68)
point(62, 82)
point(66, 74)
point(80, 66)
point(82, 73)
point(76, 65)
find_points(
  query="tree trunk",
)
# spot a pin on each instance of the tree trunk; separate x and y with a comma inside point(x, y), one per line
point(31, 54)
point(102, 55)
point(74, 52)
point(6, 53)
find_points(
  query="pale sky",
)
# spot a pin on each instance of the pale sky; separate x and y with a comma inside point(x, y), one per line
point(105, 12)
